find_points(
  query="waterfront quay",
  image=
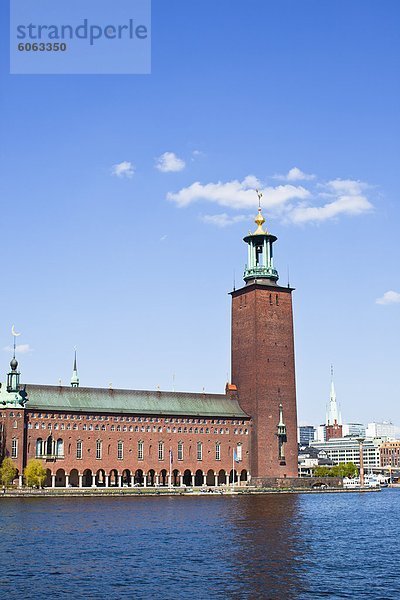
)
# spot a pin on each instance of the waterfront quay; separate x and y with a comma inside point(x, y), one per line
point(147, 492)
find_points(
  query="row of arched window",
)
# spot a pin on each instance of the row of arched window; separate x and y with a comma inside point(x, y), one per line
point(138, 429)
point(55, 448)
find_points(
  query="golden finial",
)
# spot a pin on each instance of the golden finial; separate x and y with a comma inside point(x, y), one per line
point(259, 220)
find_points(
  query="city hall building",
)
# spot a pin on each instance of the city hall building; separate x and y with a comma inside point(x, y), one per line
point(103, 437)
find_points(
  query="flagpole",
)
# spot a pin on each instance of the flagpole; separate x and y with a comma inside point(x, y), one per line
point(170, 469)
point(233, 469)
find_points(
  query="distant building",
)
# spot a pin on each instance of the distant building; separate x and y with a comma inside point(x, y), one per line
point(355, 430)
point(306, 434)
point(309, 458)
point(333, 427)
point(390, 454)
point(347, 449)
point(320, 435)
point(384, 429)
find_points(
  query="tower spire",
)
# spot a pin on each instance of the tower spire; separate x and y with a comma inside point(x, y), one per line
point(13, 375)
point(333, 415)
point(260, 261)
point(75, 378)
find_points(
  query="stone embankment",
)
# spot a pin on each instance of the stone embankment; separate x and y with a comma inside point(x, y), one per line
point(143, 492)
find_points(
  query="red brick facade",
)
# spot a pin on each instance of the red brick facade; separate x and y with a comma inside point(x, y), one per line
point(263, 369)
point(110, 447)
point(333, 431)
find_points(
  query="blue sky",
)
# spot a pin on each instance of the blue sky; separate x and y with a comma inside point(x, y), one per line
point(125, 200)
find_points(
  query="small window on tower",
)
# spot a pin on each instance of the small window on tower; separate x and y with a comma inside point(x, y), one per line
point(277, 299)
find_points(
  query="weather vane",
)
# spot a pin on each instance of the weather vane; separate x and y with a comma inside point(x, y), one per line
point(259, 194)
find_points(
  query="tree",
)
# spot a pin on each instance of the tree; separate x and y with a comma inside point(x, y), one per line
point(341, 470)
point(35, 473)
point(8, 471)
point(345, 470)
point(322, 472)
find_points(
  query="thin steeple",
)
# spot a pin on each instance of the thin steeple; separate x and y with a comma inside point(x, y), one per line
point(333, 415)
point(75, 378)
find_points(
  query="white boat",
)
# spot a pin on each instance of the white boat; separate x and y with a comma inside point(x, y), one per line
point(370, 481)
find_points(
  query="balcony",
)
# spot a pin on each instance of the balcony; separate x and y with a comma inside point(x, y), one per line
point(260, 271)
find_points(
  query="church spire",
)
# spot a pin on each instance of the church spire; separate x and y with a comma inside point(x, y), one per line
point(75, 378)
point(333, 416)
point(260, 261)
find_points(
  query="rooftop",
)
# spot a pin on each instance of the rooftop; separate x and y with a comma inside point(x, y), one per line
point(74, 399)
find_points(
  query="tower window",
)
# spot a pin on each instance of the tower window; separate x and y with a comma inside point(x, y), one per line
point(14, 448)
point(98, 449)
point(218, 451)
point(120, 450)
point(277, 299)
point(180, 450)
point(79, 449)
point(160, 450)
point(199, 451)
point(140, 450)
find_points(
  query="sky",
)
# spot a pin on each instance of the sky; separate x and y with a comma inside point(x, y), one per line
point(125, 198)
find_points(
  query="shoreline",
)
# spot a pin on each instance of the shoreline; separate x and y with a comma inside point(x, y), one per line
point(142, 493)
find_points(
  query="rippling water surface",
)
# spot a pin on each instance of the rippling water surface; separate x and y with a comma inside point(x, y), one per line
point(277, 546)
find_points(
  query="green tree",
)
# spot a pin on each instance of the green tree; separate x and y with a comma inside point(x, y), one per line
point(8, 471)
point(345, 470)
point(35, 473)
point(322, 472)
point(341, 470)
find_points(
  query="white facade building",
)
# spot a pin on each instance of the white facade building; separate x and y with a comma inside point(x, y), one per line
point(348, 450)
point(384, 429)
point(355, 430)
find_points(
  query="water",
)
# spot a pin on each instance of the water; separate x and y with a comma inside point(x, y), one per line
point(277, 546)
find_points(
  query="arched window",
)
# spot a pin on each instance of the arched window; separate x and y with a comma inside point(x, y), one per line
point(39, 447)
point(60, 447)
point(79, 449)
point(160, 450)
point(199, 451)
point(49, 446)
point(180, 450)
point(140, 447)
point(98, 449)
point(217, 451)
point(120, 450)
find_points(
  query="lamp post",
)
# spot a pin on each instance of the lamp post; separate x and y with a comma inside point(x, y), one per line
point(360, 441)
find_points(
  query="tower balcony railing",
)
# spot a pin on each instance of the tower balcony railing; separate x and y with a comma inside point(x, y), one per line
point(260, 271)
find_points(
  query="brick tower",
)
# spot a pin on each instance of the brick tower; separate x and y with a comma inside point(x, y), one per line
point(263, 367)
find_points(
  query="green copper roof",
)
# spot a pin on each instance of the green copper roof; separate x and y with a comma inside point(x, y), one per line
point(48, 397)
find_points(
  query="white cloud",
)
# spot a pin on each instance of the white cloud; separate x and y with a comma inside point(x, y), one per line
point(389, 297)
point(223, 219)
point(346, 198)
point(20, 348)
point(295, 174)
point(310, 202)
point(238, 194)
point(123, 169)
point(169, 162)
